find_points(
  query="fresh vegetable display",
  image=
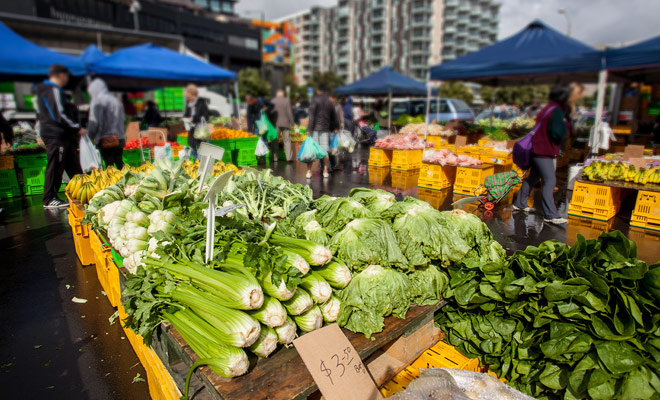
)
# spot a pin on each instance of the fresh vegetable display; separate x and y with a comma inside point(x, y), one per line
point(620, 171)
point(219, 168)
point(221, 121)
point(419, 129)
point(406, 141)
point(405, 119)
point(519, 127)
point(85, 187)
point(558, 321)
point(448, 157)
point(226, 133)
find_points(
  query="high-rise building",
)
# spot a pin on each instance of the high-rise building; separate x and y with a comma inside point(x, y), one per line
point(357, 37)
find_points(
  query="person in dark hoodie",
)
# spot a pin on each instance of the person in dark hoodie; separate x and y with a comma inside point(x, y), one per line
point(59, 132)
point(106, 123)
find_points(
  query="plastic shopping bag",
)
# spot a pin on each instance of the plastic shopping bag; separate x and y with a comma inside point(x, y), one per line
point(89, 155)
point(184, 154)
point(164, 151)
point(345, 141)
point(334, 144)
point(202, 131)
point(262, 149)
point(262, 124)
point(310, 151)
point(271, 133)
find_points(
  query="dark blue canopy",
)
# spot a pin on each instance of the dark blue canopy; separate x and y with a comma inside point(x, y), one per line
point(91, 54)
point(149, 64)
point(536, 51)
point(22, 60)
point(640, 55)
point(382, 82)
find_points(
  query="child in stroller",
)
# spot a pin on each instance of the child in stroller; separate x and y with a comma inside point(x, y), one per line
point(363, 133)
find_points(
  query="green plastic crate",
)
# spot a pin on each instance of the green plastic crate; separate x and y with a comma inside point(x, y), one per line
point(33, 180)
point(31, 161)
point(182, 140)
point(247, 143)
point(281, 155)
point(133, 157)
point(9, 184)
point(246, 158)
point(227, 144)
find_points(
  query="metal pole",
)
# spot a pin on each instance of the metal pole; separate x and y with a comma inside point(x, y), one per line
point(492, 110)
point(568, 20)
point(389, 112)
point(600, 101)
point(238, 103)
point(428, 105)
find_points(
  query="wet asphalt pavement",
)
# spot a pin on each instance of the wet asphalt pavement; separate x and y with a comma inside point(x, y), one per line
point(52, 347)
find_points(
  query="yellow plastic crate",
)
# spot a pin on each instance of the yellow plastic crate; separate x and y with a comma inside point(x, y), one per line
point(407, 160)
point(594, 201)
point(404, 179)
point(81, 240)
point(647, 211)
point(434, 176)
point(436, 140)
point(472, 151)
point(377, 175)
point(161, 384)
point(74, 208)
point(100, 260)
point(490, 156)
point(468, 179)
point(436, 198)
point(380, 157)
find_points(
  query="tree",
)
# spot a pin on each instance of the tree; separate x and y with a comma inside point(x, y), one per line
point(456, 90)
point(520, 95)
point(249, 81)
point(327, 78)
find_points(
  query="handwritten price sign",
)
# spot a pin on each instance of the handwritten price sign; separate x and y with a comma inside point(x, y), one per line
point(335, 365)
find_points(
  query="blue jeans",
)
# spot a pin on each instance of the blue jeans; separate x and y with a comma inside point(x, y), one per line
point(543, 169)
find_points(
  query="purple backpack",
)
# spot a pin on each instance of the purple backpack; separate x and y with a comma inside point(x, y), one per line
point(522, 150)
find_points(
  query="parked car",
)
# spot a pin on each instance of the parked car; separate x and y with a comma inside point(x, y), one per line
point(442, 110)
point(506, 115)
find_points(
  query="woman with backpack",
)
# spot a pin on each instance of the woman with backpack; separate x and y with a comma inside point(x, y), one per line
point(550, 130)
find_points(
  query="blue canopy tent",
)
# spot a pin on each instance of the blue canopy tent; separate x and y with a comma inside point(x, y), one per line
point(91, 54)
point(640, 62)
point(537, 54)
point(385, 82)
point(22, 60)
point(149, 65)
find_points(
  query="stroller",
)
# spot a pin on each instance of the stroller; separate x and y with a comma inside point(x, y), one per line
point(494, 189)
point(362, 133)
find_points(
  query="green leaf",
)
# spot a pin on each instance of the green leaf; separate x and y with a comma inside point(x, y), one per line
point(618, 358)
point(557, 291)
point(601, 386)
point(554, 377)
point(636, 385)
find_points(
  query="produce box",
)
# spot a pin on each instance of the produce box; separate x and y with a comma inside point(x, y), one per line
point(594, 201)
point(31, 161)
point(9, 184)
point(647, 210)
point(433, 176)
point(407, 159)
point(468, 179)
point(377, 175)
point(380, 157)
point(246, 158)
point(436, 198)
point(247, 143)
point(133, 157)
point(33, 180)
point(6, 162)
point(81, 240)
point(227, 144)
point(404, 179)
point(182, 139)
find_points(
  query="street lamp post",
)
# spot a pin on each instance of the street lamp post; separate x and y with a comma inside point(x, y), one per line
point(135, 9)
point(568, 20)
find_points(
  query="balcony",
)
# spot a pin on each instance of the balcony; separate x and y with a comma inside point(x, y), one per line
point(449, 28)
point(451, 3)
point(464, 6)
point(420, 52)
point(450, 16)
point(420, 22)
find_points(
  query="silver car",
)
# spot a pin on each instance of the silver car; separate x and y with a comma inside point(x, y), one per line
point(442, 110)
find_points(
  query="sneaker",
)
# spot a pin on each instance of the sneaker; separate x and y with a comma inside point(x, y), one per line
point(556, 221)
point(326, 175)
point(308, 175)
point(526, 209)
point(56, 203)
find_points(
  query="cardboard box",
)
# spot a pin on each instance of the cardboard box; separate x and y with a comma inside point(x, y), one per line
point(132, 131)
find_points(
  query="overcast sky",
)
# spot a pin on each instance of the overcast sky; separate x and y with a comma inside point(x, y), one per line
point(594, 22)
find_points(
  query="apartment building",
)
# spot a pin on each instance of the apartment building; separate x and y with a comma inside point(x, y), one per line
point(357, 37)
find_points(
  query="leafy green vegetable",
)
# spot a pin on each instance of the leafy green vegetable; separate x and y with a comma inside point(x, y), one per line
point(427, 285)
point(376, 200)
point(373, 294)
point(333, 215)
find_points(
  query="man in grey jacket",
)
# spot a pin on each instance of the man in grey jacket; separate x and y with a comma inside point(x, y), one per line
point(106, 123)
point(323, 121)
point(282, 106)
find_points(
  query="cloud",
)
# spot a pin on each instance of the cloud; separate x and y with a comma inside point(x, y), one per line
point(595, 22)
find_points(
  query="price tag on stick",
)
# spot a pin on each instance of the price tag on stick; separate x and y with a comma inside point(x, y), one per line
point(335, 365)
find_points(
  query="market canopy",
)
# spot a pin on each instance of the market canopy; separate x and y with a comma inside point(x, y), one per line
point(91, 54)
point(152, 65)
point(382, 83)
point(640, 61)
point(537, 54)
point(22, 60)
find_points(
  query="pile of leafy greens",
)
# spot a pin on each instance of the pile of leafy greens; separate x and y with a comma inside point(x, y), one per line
point(334, 213)
point(562, 322)
point(376, 200)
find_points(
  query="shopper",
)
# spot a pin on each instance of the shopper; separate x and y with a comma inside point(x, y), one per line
point(283, 123)
point(7, 132)
point(151, 116)
point(546, 145)
point(339, 109)
point(348, 113)
point(196, 113)
point(59, 132)
point(254, 107)
point(106, 124)
point(323, 120)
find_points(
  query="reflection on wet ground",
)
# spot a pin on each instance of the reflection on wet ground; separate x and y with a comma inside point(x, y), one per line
point(51, 347)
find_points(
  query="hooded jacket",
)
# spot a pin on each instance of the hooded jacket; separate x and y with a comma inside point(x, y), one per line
point(106, 113)
point(53, 118)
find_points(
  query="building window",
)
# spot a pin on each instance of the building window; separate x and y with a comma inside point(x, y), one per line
point(227, 7)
